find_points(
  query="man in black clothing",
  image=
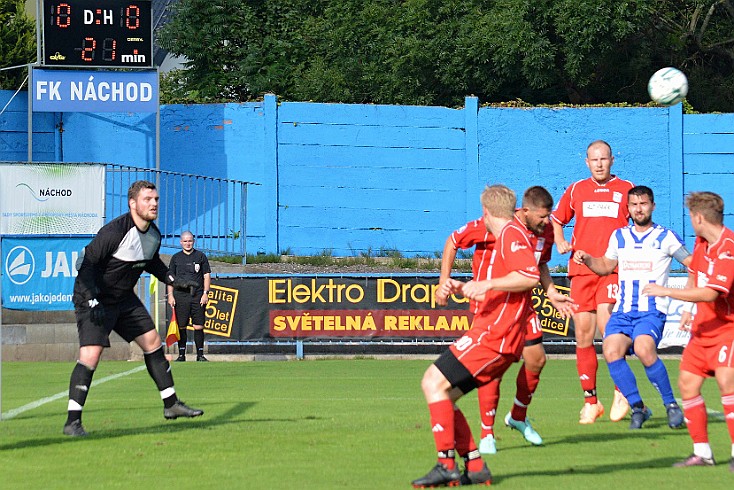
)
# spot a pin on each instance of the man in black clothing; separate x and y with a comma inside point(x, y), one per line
point(190, 265)
point(105, 300)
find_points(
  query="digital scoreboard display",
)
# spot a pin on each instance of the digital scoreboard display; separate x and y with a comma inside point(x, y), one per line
point(106, 33)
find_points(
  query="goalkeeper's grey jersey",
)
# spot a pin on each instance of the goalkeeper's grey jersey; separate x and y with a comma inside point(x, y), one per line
point(115, 259)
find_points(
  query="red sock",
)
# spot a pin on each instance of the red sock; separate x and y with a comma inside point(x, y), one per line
point(728, 402)
point(442, 425)
point(488, 396)
point(462, 434)
point(465, 445)
point(587, 364)
point(694, 410)
point(527, 382)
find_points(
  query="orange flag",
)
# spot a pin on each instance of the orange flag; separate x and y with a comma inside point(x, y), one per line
point(173, 335)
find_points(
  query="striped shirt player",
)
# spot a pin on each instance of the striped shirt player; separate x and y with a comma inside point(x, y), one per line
point(642, 253)
point(643, 258)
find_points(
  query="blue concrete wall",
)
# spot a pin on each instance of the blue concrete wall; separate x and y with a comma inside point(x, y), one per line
point(14, 131)
point(523, 147)
point(365, 179)
point(708, 159)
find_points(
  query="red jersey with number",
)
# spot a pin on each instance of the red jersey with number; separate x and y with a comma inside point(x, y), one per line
point(501, 317)
point(475, 234)
point(713, 266)
point(599, 209)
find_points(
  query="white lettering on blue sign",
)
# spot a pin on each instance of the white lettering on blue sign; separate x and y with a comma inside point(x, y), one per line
point(114, 91)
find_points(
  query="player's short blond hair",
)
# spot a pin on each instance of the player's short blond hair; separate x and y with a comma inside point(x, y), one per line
point(707, 204)
point(499, 201)
point(599, 143)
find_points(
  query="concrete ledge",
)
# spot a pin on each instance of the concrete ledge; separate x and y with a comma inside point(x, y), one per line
point(53, 342)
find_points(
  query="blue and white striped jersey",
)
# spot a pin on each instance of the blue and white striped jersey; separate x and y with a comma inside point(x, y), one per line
point(643, 258)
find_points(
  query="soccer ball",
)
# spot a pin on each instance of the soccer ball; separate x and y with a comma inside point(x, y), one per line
point(668, 86)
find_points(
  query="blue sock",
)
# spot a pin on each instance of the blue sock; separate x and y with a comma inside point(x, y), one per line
point(658, 376)
point(625, 380)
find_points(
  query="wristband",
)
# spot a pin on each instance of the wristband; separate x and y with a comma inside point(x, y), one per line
point(689, 306)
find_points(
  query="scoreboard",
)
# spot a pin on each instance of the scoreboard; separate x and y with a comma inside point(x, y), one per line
point(94, 33)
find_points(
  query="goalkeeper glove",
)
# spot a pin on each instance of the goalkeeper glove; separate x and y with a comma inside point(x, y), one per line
point(96, 311)
point(183, 284)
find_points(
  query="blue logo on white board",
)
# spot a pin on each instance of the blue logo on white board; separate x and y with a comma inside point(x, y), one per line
point(20, 265)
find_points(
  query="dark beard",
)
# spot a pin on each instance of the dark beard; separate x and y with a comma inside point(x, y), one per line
point(643, 223)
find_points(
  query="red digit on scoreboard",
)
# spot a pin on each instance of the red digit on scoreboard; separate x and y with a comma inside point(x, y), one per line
point(88, 46)
point(132, 17)
point(63, 15)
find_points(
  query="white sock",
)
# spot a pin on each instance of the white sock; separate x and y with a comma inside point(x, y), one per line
point(703, 449)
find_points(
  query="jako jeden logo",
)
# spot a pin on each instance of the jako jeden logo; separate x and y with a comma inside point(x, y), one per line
point(20, 265)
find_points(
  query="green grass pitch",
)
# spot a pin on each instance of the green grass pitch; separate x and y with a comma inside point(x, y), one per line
point(324, 424)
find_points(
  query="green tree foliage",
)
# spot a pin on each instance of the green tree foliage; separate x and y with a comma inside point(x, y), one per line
point(438, 51)
point(17, 43)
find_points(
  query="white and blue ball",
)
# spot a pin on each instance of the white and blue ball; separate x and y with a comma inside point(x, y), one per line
point(668, 86)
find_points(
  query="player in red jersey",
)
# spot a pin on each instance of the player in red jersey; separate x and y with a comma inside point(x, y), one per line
point(494, 341)
point(710, 352)
point(533, 216)
point(599, 205)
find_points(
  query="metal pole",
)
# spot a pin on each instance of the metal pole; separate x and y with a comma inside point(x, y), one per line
point(158, 131)
point(243, 223)
point(30, 113)
point(38, 31)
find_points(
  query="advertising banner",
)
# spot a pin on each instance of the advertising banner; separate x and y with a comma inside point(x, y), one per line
point(94, 91)
point(39, 272)
point(319, 307)
point(51, 199)
point(672, 335)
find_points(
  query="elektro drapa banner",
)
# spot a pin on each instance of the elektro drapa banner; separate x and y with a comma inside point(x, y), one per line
point(313, 307)
point(51, 199)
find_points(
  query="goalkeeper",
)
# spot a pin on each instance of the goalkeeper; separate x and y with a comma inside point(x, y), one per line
point(105, 300)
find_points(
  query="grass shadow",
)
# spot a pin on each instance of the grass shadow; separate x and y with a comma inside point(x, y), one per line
point(230, 416)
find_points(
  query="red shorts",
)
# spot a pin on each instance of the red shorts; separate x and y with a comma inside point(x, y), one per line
point(481, 360)
point(703, 360)
point(588, 291)
point(533, 331)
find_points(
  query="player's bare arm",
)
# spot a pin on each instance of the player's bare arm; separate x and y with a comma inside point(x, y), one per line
point(207, 285)
point(562, 245)
point(562, 303)
point(688, 294)
point(448, 287)
point(514, 282)
point(601, 266)
point(686, 316)
point(447, 263)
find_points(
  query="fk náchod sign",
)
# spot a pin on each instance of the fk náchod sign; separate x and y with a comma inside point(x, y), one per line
point(94, 91)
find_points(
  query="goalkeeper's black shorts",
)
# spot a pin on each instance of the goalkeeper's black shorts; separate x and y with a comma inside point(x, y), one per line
point(129, 318)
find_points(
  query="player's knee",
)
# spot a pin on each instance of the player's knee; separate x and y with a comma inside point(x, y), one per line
point(536, 363)
point(431, 382)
